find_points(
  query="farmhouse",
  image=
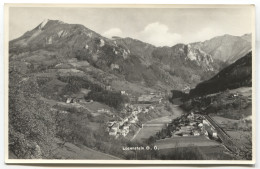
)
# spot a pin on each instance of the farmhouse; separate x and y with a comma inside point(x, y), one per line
point(196, 133)
point(110, 124)
point(124, 132)
point(76, 98)
point(103, 111)
point(115, 127)
point(113, 132)
point(123, 92)
point(69, 100)
point(133, 119)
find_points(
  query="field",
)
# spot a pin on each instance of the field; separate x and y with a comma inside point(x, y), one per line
point(217, 152)
point(185, 142)
point(225, 123)
point(165, 119)
point(245, 91)
point(223, 120)
point(71, 151)
point(232, 124)
point(146, 132)
point(240, 136)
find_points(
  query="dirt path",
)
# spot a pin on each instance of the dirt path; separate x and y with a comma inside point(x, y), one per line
point(135, 134)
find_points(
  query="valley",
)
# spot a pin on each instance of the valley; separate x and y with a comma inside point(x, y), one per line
point(74, 94)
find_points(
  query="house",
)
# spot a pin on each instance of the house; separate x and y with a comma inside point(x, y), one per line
point(126, 127)
point(115, 127)
point(146, 110)
point(196, 133)
point(200, 125)
point(123, 92)
point(110, 124)
point(191, 116)
point(133, 119)
point(192, 123)
point(205, 122)
point(125, 119)
point(103, 111)
point(63, 112)
point(185, 134)
point(134, 112)
point(69, 100)
point(121, 122)
point(76, 98)
point(112, 132)
point(124, 132)
point(206, 133)
point(185, 129)
point(89, 101)
point(215, 134)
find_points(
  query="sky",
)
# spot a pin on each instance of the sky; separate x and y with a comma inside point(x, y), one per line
point(157, 26)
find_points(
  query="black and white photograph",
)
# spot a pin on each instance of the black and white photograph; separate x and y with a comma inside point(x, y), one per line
point(141, 84)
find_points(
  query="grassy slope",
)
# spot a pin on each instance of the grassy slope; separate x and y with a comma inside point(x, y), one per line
point(72, 151)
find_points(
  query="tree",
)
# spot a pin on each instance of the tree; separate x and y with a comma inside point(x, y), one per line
point(31, 122)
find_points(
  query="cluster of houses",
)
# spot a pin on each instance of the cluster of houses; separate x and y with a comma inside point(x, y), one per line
point(195, 125)
point(150, 98)
point(75, 99)
point(136, 109)
point(122, 126)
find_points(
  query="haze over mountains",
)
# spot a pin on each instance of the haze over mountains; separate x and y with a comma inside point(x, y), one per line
point(55, 46)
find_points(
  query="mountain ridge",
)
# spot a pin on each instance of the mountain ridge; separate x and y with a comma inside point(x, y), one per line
point(127, 58)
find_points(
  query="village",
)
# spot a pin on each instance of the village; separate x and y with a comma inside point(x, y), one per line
point(142, 104)
point(119, 125)
point(193, 125)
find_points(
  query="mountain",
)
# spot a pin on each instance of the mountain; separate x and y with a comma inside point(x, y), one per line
point(226, 48)
point(59, 47)
point(236, 75)
point(247, 37)
point(137, 47)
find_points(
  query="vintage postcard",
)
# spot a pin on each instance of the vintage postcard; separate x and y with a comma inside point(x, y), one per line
point(130, 84)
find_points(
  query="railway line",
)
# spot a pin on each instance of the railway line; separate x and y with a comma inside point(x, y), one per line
point(228, 141)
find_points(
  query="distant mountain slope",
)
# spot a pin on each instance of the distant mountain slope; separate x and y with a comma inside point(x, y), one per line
point(247, 37)
point(55, 43)
point(226, 48)
point(236, 75)
point(181, 63)
point(136, 47)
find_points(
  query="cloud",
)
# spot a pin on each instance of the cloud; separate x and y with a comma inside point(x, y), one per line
point(113, 32)
point(158, 34)
point(207, 33)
